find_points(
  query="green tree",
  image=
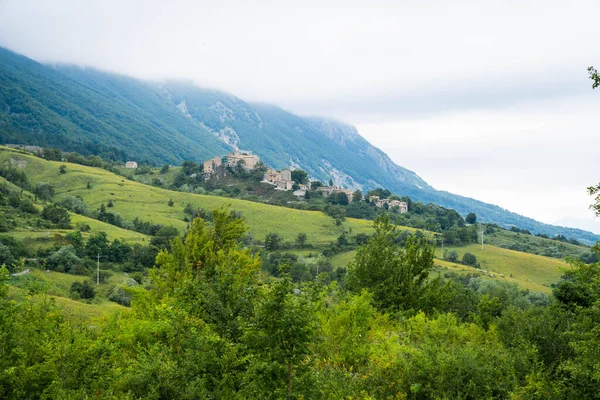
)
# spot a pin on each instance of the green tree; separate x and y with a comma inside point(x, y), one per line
point(272, 241)
point(594, 76)
point(82, 290)
point(301, 239)
point(299, 176)
point(62, 169)
point(469, 259)
point(398, 278)
point(65, 260)
point(451, 255)
point(164, 169)
point(97, 244)
point(471, 218)
point(357, 196)
point(57, 215)
point(280, 337)
point(208, 274)
point(44, 191)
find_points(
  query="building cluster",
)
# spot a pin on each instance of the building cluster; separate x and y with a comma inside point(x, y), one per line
point(402, 205)
point(246, 160)
point(281, 179)
point(211, 165)
point(327, 190)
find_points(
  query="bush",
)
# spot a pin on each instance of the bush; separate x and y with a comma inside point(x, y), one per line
point(57, 215)
point(82, 290)
point(451, 255)
point(44, 191)
point(469, 259)
point(76, 205)
point(272, 241)
point(64, 260)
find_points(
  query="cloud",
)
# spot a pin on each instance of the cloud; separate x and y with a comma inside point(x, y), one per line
point(487, 99)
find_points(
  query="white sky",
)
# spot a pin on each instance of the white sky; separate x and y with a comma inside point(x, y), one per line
point(486, 99)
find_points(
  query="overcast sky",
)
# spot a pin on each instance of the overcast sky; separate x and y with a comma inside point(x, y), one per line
point(485, 99)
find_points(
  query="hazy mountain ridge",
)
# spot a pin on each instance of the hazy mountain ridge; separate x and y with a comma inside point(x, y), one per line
point(90, 111)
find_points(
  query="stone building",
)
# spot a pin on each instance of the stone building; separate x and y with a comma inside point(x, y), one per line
point(249, 161)
point(131, 164)
point(281, 179)
point(212, 164)
point(402, 205)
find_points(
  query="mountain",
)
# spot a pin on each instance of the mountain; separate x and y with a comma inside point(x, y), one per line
point(95, 112)
point(119, 118)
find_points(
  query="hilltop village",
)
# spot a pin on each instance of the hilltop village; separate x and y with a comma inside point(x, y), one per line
point(282, 179)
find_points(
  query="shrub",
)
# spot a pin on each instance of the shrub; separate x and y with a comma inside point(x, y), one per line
point(469, 259)
point(82, 290)
point(451, 255)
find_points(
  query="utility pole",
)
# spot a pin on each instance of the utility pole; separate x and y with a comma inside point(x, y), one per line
point(442, 250)
point(98, 271)
point(481, 231)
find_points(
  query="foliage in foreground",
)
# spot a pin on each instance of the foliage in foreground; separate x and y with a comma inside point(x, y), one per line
point(213, 326)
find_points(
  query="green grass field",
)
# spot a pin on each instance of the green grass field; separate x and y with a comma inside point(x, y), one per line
point(132, 199)
point(529, 271)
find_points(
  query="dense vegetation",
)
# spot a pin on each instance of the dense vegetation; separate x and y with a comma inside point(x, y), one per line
point(206, 323)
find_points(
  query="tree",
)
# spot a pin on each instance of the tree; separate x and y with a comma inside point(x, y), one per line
point(189, 167)
point(82, 290)
point(357, 196)
point(331, 182)
point(469, 259)
point(471, 218)
point(97, 244)
point(451, 255)
point(280, 336)
point(164, 169)
point(299, 176)
point(272, 241)
point(301, 239)
point(171, 202)
point(397, 277)
point(44, 191)
point(57, 215)
point(6, 256)
point(65, 260)
point(62, 169)
point(594, 76)
point(316, 184)
point(208, 273)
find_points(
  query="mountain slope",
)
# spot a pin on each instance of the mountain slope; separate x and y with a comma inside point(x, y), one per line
point(94, 112)
point(41, 106)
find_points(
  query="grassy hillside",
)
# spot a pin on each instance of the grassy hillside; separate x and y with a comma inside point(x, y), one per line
point(529, 271)
point(133, 199)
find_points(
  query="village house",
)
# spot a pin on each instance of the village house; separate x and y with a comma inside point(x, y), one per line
point(212, 164)
point(302, 188)
point(327, 190)
point(131, 164)
point(248, 161)
point(282, 179)
point(402, 205)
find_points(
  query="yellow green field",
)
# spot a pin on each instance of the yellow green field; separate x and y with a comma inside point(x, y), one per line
point(133, 199)
point(529, 271)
